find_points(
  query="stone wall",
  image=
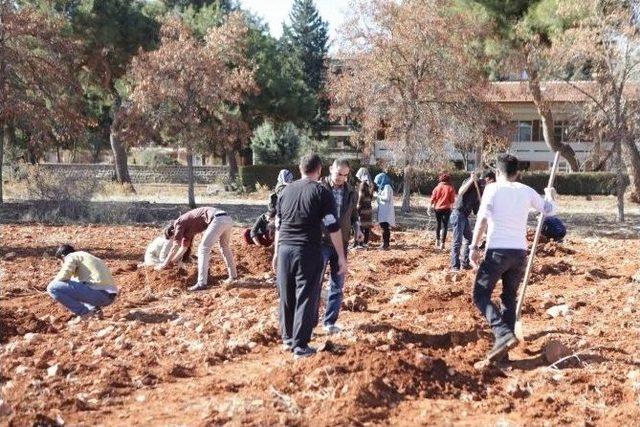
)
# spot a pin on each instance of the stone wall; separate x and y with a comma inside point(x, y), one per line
point(139, 174)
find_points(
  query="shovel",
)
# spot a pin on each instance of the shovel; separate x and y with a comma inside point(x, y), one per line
point(518, 326)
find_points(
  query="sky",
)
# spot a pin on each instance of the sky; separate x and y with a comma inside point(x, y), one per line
point(274, 12)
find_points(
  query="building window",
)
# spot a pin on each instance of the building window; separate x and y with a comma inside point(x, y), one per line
point(524, 131)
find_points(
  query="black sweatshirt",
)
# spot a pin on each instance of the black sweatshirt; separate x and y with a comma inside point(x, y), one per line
point(303, 207)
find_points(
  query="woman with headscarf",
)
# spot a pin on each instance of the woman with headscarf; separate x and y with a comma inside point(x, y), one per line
point(284, 177)
point(364, 206)
point(386, 212)
point(443, 198)
point(263, 230)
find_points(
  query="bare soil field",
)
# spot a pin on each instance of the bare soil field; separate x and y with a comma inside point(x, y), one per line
point(163, 356)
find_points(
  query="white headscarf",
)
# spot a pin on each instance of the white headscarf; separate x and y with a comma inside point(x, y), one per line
point(363, 175)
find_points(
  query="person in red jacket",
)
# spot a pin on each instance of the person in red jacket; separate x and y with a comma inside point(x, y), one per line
point(442, 200)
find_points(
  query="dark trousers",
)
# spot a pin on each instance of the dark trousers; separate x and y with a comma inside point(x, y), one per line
point(367, 234)
point(461, 230)
point(298, 276)
point(508, 265)
point(442, 223)
point(386, 234)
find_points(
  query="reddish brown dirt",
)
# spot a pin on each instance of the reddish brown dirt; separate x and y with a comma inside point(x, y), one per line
point(163, 356)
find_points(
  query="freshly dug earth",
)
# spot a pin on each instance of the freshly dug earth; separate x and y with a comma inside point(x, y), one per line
point(164, 356)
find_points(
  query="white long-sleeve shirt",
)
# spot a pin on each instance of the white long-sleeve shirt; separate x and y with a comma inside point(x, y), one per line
point(506, 207)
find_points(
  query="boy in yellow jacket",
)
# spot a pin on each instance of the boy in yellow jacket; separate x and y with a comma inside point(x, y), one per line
point(93, 287)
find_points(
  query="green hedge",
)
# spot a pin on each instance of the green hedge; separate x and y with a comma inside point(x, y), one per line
point(579, 184)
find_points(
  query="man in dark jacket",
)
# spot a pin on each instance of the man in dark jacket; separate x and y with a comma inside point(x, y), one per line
point(304, 207)
point(346, 200)
point(468, 201)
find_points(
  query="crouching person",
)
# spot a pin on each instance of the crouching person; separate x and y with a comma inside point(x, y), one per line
point(158, 249)
point(93, 287)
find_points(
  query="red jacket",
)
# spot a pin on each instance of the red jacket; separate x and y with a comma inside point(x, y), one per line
point(443, 196)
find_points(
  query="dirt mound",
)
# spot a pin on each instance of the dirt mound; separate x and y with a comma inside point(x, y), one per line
point(365, 381)
point(20, 322)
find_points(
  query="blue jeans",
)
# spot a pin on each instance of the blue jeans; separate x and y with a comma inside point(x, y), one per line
point(334, 299)
point(461, 230)
point(78, 296)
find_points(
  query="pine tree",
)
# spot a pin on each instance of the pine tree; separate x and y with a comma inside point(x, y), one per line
point(308, 37)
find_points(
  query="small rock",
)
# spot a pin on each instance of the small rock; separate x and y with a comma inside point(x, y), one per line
point(32, 337)
point(328, 346)
point(100, 352)
point(200, 328)
point(5, 409)
point(81, 403)
point(247, 295)
point(196, 346)
point(53, 370)
point(384, 347)
point(141, 398)
point(104, 332)
point(554, 350)
point(21, 370)
point(515, 390)
point(559, 310)
point(636, 277)
point(9, 256)
point(451, 372)
point(355, 303)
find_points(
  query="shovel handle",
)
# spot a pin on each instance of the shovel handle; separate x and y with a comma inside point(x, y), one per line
point(536, 237)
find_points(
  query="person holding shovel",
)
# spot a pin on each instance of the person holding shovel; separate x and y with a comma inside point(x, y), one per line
point(503, 215)
point(468, 201)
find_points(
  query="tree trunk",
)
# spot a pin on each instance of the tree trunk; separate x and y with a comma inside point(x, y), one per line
point(233, 165)
point(620, 184)
point(191, 192)
point(547, 123)
point(631, 158)
point(119, 150)
point(478, 158)
point(406, 189)
point(4, 131)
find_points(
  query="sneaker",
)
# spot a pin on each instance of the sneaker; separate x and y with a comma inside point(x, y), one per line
point(501, 347)
point(438, 244)
point(197, 287)
point(332, 329)
point(455, 269)
point(95, 313)
point(302, 352)
point(287, 346)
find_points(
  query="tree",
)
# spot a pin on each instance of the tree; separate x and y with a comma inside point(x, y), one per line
point(113, 31)
point(522, 35)
point(189, 90)
point(606, 41)
point(276, 146)
point(284, 95)
point(39, 94)
point(410, 72)
point(307, 37)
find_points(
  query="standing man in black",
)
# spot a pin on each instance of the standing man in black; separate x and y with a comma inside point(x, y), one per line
point(303, 208)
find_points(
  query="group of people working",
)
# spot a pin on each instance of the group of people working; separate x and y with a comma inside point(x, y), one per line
point(309, 221)
point(454, 209)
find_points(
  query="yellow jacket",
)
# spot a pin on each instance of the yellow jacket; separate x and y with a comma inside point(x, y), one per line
point(88, 269)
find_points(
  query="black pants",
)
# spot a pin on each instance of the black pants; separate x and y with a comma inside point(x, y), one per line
point(367, 233)
point(299, 272)
point(442, 223)
point(508, 265)
point(386, 234)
